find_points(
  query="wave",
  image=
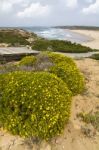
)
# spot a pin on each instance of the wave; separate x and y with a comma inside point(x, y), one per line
point(59, 34)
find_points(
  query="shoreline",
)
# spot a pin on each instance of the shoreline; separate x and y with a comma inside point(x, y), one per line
point(92, 34)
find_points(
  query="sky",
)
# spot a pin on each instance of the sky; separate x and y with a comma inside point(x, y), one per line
point(49, 12)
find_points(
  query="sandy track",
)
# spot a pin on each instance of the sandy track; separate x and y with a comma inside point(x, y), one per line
point(73, 138)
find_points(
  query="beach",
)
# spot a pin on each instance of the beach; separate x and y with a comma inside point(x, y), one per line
point(86, 37)
point(94, 34)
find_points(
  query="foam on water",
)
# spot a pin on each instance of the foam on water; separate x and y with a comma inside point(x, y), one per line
point(60, 34)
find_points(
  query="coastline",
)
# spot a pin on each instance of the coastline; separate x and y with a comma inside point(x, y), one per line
point(94, 35)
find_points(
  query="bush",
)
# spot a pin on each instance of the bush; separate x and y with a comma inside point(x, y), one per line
point(58, 58)
point(59, 46)
point(62, 66)
point(34, 104)
point(90, 118)
point(13, 38)
point(41, 45)
point(95, 56)
point(70, 75)
point(43, 62)
point(17, 37)
point(1, 67)
point(27, 61)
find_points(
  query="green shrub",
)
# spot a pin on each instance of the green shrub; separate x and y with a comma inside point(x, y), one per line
point(34, 104)
point(62, 66)
point(91, 118)
point(70, 75)
point(95, 56)
point(59, 46)
point(10, 67)
point(67, 46)
point(41, 44)
point(17, 37)
point(1, 67)
point(58, 58)
point(13, 38)
point(27, 61)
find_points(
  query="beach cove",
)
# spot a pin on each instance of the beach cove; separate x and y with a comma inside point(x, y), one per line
point(93, 34)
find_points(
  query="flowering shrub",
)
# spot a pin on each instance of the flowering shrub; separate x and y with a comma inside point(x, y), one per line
point(1, 67)
point(70, 75)
point(34, 104)
point(58, 58)
point(65, 68)
point(27, 61)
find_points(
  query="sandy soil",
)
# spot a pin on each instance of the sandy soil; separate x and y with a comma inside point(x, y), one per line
point(72, 138)
point(90, 33)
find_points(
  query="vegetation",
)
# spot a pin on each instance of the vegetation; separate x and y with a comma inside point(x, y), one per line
point(15, 37)
point(27, 61)
point(58, 58)
point(12, 39)
point(38, 90)
point(39, 104)
point(91, 119)
point(65, 68)
point(95, 56)
point(70, 75)
point(58, 64)
point(59, 46)
point(79, 27)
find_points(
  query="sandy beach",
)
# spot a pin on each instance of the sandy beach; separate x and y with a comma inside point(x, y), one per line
point(91, 34)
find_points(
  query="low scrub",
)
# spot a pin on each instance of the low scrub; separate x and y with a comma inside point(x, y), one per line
point(62, 66)
point(12, 38)
point(59, 46)
point(95, 56)
point(90, 118)
point(39, 102)
point(70, 75)
point(16, 37)
point(34, 104)
point(58, 58)
point(27, 61)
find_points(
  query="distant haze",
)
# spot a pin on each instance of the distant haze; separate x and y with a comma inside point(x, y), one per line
point(49, 12)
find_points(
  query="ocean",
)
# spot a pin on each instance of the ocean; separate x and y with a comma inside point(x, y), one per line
point(59, 34)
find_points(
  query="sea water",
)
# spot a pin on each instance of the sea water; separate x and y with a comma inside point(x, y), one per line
point(59, 34)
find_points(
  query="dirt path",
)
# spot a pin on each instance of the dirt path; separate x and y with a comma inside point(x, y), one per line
point(16, 50)
point(73, 138)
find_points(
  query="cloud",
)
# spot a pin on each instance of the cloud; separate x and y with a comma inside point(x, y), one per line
point(34, 10)
point(5, 7)
point(89, 1)
point(92, 8)
point(72, 3)
point(48, 12)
